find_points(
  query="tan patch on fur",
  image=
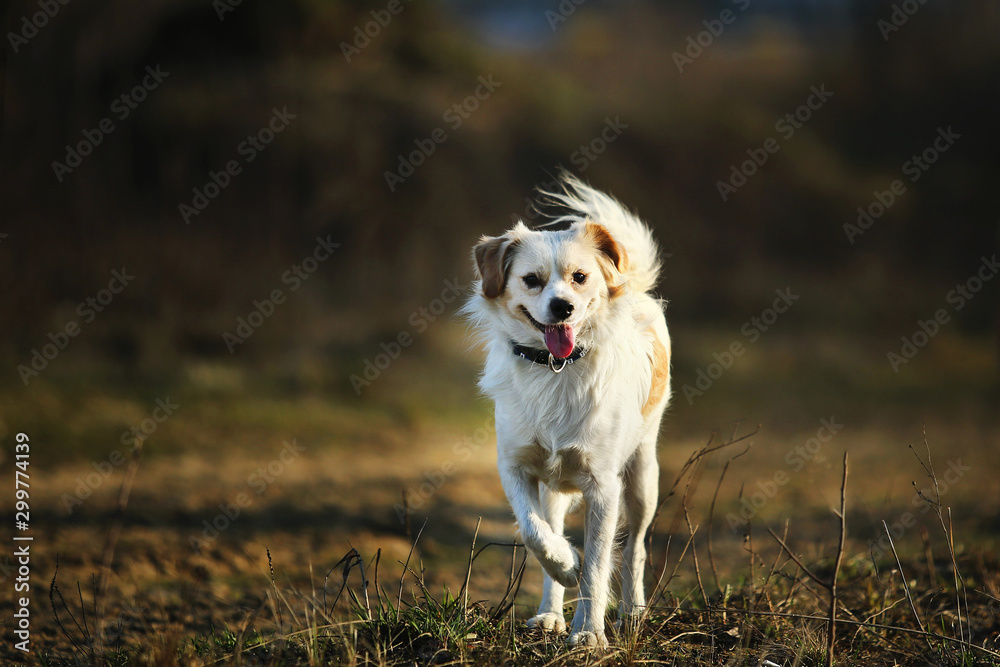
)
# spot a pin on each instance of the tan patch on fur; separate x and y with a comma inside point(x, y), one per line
point(660, 362)
point(564, 471)
point(602, 238)
point(534, 458)
point(612, 258)
point(493, 256)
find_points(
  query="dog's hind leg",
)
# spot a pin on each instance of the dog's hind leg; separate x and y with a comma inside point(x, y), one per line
point(549, 617)
point(603, 498)
point(641, 488)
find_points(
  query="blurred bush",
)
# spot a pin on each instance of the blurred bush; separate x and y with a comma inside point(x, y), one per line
point(325, 175)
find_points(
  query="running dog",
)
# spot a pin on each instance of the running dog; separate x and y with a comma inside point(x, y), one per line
point(578, 366)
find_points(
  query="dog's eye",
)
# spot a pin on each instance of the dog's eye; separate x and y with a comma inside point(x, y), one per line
point(531, 281)
point(579, 277)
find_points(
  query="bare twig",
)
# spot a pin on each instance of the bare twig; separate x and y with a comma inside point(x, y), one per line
point(693, 459)
point(406, 565)
point(831, 635)
point(506, 602)
point(510, 585)
point(53, 592)
point(799, 563)
point(902, 575)
point(770, 573)
point(947, 529)
point(83, 611)
point(830, 586)
point(378, 591)
point(694, 555)
point(661, 585)
point(711, 511)
point(111, 541)
point(274, 588)
point(468, 571)
point(959, 581)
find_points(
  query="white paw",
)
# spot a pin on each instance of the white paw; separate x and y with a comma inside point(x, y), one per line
point(548, 622)
point(587, 638)
point(563, 565)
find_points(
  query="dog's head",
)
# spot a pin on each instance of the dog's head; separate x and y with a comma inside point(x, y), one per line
point(550, 286)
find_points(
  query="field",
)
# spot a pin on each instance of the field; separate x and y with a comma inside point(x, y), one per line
point(243, 528)
point(264, 446)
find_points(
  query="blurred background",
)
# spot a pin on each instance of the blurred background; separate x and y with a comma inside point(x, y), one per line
point(347, 155)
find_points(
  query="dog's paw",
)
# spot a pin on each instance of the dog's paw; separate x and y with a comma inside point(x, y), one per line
point(588, 639)
point(569, 577)
point(563, 565)
point(548, 622)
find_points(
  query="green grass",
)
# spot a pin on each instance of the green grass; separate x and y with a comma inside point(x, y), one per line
point(778, 623)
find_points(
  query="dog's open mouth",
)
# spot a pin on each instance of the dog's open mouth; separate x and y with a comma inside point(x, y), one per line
point(559, 338)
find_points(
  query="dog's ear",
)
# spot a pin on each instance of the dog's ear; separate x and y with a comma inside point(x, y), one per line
point(493, 255)
point(606, 243)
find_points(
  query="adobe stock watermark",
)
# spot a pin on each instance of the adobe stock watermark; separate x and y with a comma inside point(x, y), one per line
point(900, 14)
point(786, 126)
point(248, 149)
point(59, 340)
point(223, 7)
point(565, 9)
point(796, 459)
point(121, 108)
point(294, 277)
point(419, 320)
point(257, 483)
point(363, 35)
point(133, 439)
point(879, 546)
point(583, 156)
point(697, 44)
point(957, 298)
point(37, 21)
point(913, 169)
point(752, 330)
point(455, 116)
point(416, 496)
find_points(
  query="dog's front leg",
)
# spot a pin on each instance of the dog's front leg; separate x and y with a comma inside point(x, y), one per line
point(549, 616)
point(553, 551)
point(602, 521)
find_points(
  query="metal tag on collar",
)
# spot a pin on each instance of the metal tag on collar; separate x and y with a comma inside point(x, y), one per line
point(552, 363)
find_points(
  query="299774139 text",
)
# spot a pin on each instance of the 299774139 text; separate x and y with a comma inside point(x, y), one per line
point(22, 544)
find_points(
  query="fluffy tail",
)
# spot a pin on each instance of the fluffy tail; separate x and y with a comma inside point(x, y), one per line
point(587, 203)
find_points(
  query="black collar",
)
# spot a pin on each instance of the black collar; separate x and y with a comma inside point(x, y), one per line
point(545, 358)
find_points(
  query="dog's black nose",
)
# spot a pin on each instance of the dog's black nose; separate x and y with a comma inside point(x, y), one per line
point(560, 309)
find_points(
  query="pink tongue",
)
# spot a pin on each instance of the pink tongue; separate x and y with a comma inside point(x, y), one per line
point(559, 340)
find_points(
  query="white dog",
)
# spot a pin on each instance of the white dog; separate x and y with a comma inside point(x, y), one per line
point(578, 365)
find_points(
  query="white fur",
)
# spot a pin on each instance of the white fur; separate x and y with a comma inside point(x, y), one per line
point(581, 431)
point(588, 203)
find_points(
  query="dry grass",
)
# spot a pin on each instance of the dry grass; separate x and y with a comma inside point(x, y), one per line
point(130, 589)
point(373, 608)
